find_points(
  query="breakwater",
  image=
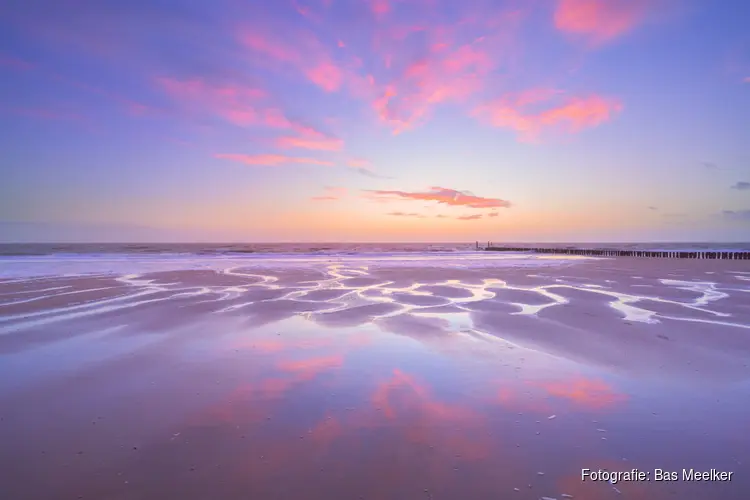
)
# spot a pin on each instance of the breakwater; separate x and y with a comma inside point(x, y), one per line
point(604, 252)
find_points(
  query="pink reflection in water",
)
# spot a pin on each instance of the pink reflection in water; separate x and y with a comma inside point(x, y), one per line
point(584, 392)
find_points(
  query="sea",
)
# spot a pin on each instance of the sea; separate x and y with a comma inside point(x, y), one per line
point(237, 249)
point(19, 260)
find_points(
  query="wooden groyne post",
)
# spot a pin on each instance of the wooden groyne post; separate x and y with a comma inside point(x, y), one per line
point(605, 252)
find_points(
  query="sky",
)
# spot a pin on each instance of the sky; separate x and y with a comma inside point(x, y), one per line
point(374, 120)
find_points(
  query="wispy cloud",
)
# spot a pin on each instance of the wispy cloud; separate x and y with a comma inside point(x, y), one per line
point(469, 217)
point(313, 140)
point(493, 214)
point(407, 214)
point(327, 76)
point(236, 104)
point(364, 167)
point(741, 185)
point(43, 113)
point(331, 193)
point(298, 49)
point(246, 106)
point(653, 208)
point(736, 215)
point(380, 7)
point(270, 160)
point(441, 195)
point(442, 76)
point(369, 173)
point(600, 21)
point(358, 163)
point(569, 114)
point(14, 63)
point(448, 70)
point(132, 107)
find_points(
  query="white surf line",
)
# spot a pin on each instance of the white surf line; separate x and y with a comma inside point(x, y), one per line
point(706, 288)
point(708, 321)
point(492, 338)
point(20, 292)
point(22, 325)
point(89, 305)
point(130, 279)
point(631, 312)
point(625, 302)
point(134, 280)
point(528, 309)
point(266, 280)
point(33, 299)
point(533, 310)
point(333, 279)
point(235, 307)
point(628, 299)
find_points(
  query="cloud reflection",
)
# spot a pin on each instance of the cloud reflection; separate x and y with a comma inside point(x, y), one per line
point(584, 392)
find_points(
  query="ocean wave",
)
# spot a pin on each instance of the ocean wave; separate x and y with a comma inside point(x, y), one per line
point(333, 249)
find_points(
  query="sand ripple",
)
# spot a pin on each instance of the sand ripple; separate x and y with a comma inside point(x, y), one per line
point(508, 302)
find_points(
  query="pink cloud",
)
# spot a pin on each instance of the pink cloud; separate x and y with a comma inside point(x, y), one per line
point(196, 89)
point(359, 163)
point(245, 106)
point(326, 75)
point(235, 104)
point(455, 61)
point(407, 214)
point(380, 7)
point(270, 47)
point(307, 11)
point(270, 160)
point(570, 114)
point(493, 214)
point(600, 21)
point(455, 65)
point(331, 193)
point(469, 217)
point(441, 195)
point(317, 142)
point(301, 51)
point(438, 78)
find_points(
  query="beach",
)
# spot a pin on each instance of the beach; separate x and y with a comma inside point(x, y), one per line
point(463, 375)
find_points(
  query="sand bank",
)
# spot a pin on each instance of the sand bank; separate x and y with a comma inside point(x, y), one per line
point(375, 379)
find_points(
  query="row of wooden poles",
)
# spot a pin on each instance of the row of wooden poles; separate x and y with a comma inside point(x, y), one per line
point(671, 254)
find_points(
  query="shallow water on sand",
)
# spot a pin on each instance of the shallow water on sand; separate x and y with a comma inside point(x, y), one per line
point(377, 383)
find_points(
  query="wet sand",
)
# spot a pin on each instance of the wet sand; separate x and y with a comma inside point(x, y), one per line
point(337, 379)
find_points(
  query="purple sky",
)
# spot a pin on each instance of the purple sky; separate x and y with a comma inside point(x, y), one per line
point(376, 120)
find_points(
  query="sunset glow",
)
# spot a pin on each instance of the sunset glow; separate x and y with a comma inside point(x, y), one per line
point(375, 120)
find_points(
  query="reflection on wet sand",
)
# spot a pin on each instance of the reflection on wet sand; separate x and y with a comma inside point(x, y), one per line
point(377, 381)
